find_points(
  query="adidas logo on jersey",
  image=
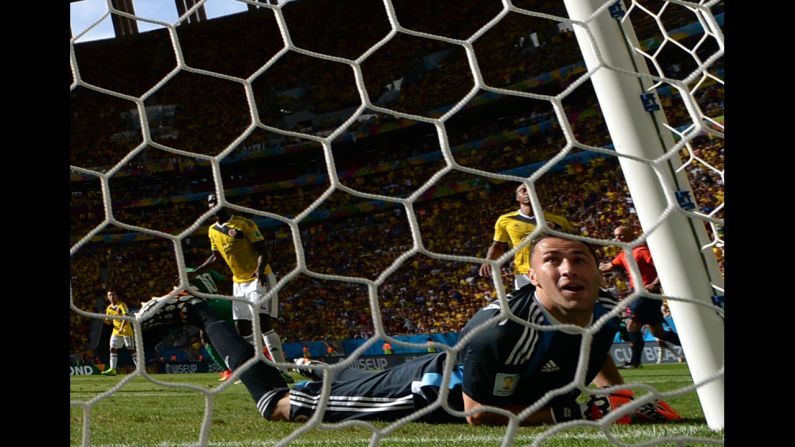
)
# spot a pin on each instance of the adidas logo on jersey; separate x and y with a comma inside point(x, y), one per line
point(551, 366)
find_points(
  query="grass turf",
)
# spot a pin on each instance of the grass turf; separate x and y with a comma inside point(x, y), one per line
point(142, 413)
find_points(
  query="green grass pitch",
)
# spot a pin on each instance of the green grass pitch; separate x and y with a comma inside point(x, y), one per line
point(141, 413)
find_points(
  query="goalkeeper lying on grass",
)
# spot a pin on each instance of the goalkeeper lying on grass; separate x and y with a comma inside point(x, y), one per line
point(506, 364)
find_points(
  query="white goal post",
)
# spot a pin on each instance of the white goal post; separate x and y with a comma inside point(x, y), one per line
point(620, 78)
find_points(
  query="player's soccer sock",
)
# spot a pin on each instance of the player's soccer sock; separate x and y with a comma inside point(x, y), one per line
point(636, 338)
point(264, 383)
point(114, 360)
point(671, 337)
point(665, 346)
point(274, 344)
point(215, 357)
point(199, 314)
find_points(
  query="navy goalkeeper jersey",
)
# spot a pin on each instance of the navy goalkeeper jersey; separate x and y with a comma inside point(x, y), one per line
point(509, 362)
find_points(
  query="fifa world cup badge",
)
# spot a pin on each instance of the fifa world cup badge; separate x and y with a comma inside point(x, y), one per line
point(232, 232)
point(505, 384)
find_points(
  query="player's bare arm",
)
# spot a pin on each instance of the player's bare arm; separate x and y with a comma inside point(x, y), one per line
point(259, 247)
point(209, 261)
point(608, 375)
point(543, 416)
point(495, 251)
point(654, 285)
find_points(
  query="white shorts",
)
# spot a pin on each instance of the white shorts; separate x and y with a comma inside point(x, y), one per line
point(252, 291)
point(117, 341)
point(520, 281)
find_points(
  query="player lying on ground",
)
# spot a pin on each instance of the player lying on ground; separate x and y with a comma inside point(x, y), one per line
point(507, 365)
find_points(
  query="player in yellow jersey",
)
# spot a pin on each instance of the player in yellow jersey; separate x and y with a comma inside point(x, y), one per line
point(122, 332)
point(239, 242)
point(511, 228)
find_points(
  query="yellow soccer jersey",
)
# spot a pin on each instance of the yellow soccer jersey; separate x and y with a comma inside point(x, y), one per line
point(512, 227)
point(234, 240)
point(118, 310)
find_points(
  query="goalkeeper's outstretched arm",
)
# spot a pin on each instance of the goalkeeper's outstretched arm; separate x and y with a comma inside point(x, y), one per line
point(608, 375)
point(543, 416)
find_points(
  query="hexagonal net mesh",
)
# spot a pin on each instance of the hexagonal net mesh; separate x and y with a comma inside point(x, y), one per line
point(375, 144)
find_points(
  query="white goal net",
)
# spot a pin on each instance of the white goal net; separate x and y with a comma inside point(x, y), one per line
point(375, 143)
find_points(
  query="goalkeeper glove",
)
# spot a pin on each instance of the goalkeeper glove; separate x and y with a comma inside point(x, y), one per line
point(657, 411)
point(598, 406)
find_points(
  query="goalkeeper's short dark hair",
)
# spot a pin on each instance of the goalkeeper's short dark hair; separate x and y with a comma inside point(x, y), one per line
point(543, 236)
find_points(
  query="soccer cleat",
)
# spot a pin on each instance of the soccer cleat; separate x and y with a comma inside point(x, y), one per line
point(308, 373)
point(225, 375)
point(109, 372)
point(173, 311)
point(628, 365)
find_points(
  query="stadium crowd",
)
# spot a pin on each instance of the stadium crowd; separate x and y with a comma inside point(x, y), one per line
point(433, 296)
point(424, 295)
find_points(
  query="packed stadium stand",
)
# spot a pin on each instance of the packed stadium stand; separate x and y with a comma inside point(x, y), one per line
point(378, 154)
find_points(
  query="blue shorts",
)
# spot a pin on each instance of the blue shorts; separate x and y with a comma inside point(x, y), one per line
point(646, 311)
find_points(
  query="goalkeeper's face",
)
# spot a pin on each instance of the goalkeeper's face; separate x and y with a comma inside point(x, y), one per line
point(566, 277)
